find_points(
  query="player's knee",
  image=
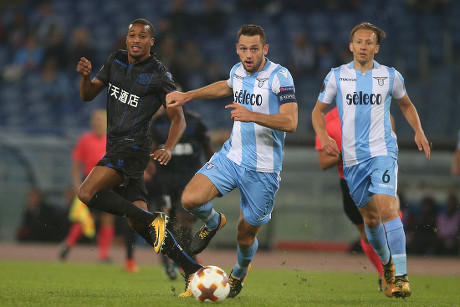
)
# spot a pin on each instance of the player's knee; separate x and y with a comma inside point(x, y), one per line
point(189, 201)
point(372, 221)
point(85, 195)
point(245, 242)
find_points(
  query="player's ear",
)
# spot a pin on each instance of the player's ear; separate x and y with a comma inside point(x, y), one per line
point(351, 47)
point(152, 41)
point(265, 49)
point(377, 48)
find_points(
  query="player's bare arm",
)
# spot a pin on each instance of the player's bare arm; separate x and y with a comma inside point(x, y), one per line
point(319, 124)
point(286, 120)
point(176, 115)
point(326, 161)
point(212, 91)
point(89, 89)
point(410, 113)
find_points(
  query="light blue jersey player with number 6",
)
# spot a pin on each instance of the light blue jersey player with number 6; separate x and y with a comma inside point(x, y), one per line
point(363, 90)
point(264, 108)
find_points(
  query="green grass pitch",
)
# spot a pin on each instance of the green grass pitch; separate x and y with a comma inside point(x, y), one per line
point(76, 284)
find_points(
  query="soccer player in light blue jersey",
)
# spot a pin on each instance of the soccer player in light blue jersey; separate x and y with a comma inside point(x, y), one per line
point(264, 108)
point(363, 90)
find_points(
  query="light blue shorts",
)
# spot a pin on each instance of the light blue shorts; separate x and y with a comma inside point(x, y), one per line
point(378, 175)
point(257, 189)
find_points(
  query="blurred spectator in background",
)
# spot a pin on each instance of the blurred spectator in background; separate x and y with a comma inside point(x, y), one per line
point(212, 19)
point(456, 161)
point(165, 31)
point(325, 59)
point(448, 225)
point(214, 72)
point(81, 45)
point(41, 221)
point(28, 57)
point(90, 148)
point(301, 61)
point(422, 228)
point(56, 90)
point(182, 22)
point(191, 61)
point(17, 30)
point(426, 6)
point(167, 52)
point(55, 48)
point(43, 20)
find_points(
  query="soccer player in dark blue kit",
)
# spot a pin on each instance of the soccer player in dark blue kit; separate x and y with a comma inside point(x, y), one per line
point(167, 182)
point(137, 84)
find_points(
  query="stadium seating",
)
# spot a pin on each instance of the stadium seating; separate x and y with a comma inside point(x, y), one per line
point(417, 41)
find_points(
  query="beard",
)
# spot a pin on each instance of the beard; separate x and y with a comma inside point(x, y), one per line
point(255, 66)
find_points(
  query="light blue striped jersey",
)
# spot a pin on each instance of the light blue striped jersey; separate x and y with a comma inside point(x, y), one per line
point(363, 102)
point(250, 145)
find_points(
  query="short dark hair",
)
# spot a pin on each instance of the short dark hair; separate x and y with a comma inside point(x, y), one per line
point(252, 30)
point(368, 26)
point(144, 22)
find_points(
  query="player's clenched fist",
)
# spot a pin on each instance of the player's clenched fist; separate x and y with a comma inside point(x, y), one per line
point(84, 67)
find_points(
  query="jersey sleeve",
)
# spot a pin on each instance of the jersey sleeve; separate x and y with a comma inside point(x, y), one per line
point(283, 86)
point(103, 74)
point(230, 77)
point(329, 89)
point(399, 89)
point(167, 86)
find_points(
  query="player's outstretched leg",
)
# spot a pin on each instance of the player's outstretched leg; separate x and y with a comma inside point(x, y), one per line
point(176, 253)
point(388, 280)
point(202, 238)
point(236, 284)
point(157, 230)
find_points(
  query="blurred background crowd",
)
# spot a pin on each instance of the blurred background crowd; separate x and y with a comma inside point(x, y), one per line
point(41, 42)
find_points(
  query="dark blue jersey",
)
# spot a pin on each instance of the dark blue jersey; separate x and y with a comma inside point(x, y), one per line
point(187, 156)
point(134, 94)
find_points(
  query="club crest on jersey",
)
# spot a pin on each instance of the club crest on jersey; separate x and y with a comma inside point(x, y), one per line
point(380, 80)
point(143, 79)
point(261, 81)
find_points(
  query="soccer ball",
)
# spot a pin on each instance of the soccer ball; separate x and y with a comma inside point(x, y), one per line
point(210, 284)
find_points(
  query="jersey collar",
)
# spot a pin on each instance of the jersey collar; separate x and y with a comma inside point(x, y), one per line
point(351, 65)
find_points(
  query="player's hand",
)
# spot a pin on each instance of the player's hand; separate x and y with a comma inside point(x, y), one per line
point(239, 112)
point(330, 147)
point(84, 67)
point(422, 144)
point(175, 99)
point(162, 156)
